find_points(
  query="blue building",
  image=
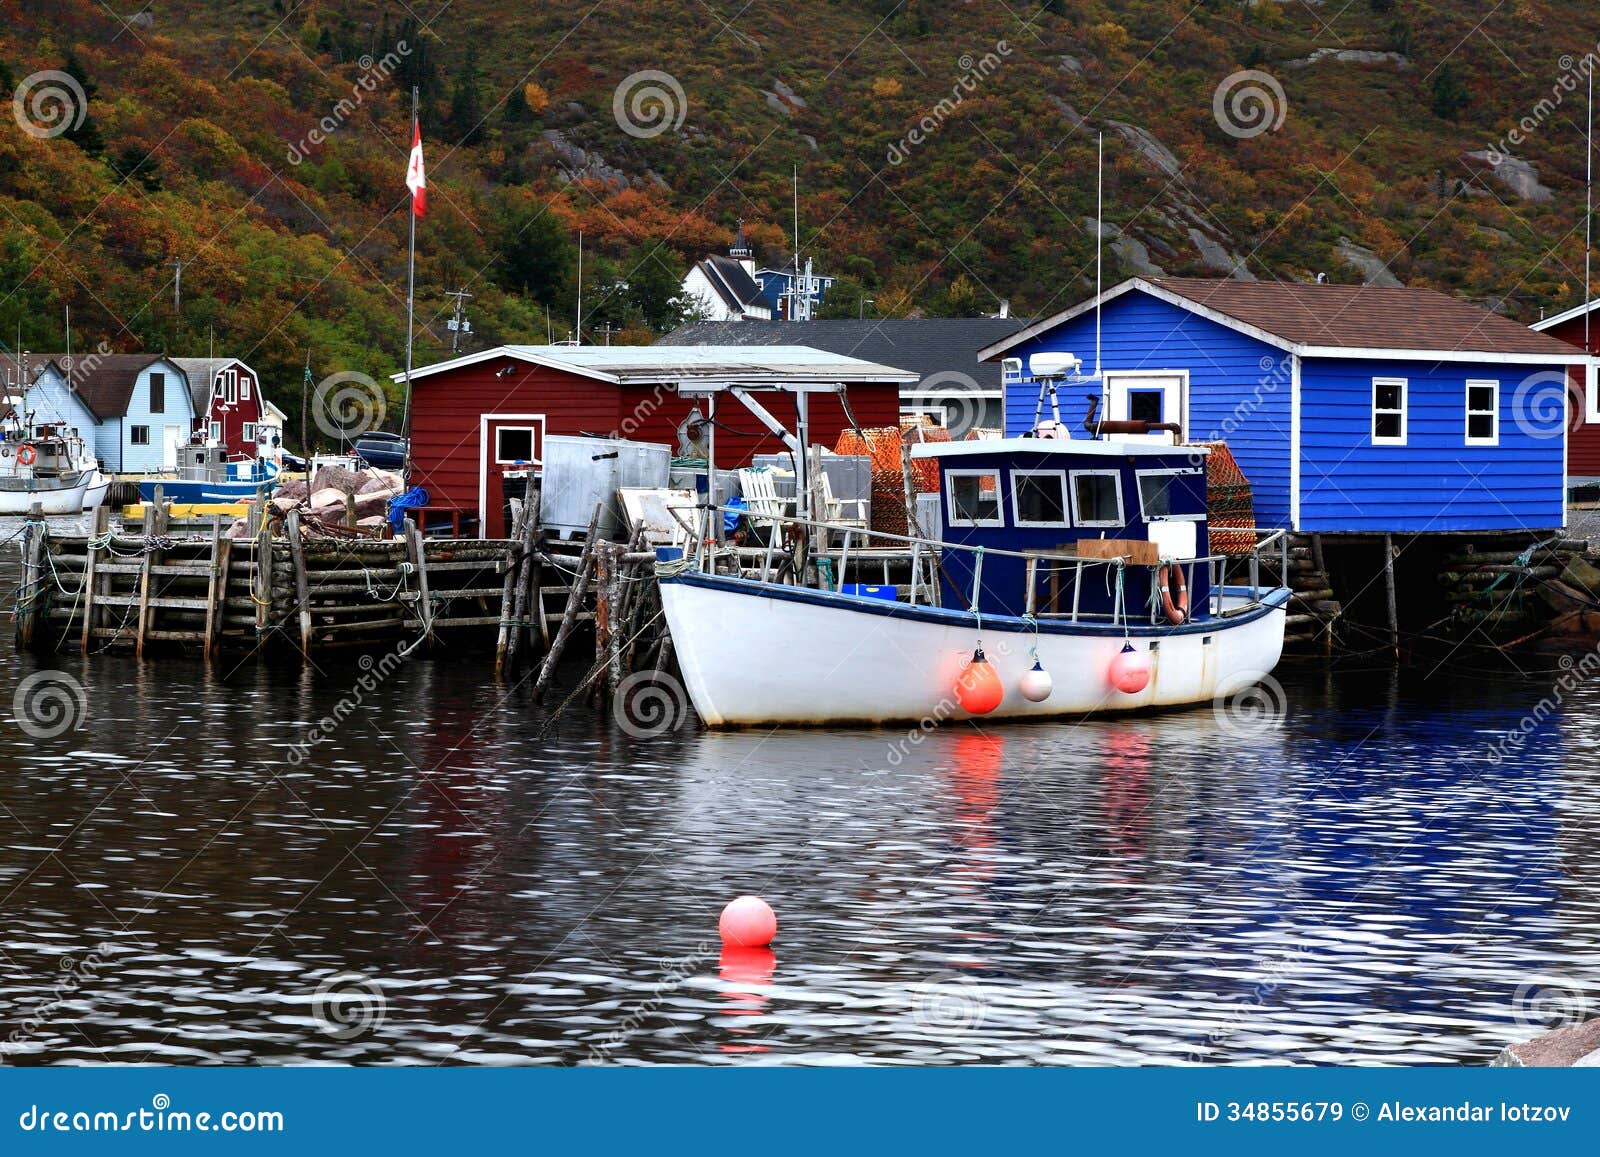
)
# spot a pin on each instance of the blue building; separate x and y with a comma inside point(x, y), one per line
point(134, 409)
point(1351, 409)
point(779, 290)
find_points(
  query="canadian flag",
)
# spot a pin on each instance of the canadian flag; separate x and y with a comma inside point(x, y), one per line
point(416, 179)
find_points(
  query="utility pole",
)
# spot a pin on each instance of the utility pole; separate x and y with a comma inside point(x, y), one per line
point(177, 297)
point(458, 324)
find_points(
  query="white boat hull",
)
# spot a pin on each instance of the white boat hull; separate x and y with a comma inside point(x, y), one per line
point(86, 494)
point(752, 654)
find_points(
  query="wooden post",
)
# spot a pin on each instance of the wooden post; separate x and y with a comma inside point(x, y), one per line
point(508, 593)
point(532, 543)
point(32, 577)
point(301, 586)
point(1388, 586)
point(263, 576)
point(604, 575)
point(216, 589)
point(417, 549)
point(569, 616)
point(350, 511)
point(527, 565)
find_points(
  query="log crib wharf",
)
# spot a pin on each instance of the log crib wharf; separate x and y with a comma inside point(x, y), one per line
point(294, 586)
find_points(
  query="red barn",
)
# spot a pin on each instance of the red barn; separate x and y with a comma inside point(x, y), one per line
point(227, 402)
point(1581, 327)
point(475, 417)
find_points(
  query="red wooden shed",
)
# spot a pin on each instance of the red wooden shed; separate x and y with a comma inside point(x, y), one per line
point(475, 417)
point(1581, 327)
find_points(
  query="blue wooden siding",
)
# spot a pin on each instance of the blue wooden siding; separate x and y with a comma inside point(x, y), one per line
point(1435, 482)
point(1239, 387)
point(178, 411)
point(49, 400)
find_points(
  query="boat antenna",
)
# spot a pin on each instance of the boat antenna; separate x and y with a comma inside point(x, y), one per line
point(1099, 238)
point(1588, 218)
point(794, 286)
point(578, 337)
point(69, 344)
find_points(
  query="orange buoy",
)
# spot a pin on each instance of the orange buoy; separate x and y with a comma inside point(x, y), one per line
point(748, 922)
point(1130, 670)
point(978, 689)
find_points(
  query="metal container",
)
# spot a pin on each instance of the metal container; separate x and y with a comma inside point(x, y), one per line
point(690, 478)
point(849, 477)
point(582, 473)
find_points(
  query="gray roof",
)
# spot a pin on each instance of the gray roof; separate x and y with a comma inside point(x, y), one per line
point(202, 375)
point(932, 347)
point(733, 284)
point(651, 364)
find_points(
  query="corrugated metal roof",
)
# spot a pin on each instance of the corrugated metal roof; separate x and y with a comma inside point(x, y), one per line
point(650, 364)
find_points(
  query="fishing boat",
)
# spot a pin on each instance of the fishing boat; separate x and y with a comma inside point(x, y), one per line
point(207, 474)
point(47, 466)
point(1069, 576)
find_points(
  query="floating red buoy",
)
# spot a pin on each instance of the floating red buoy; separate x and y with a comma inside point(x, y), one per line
point(978, 689)
point(748, 922)
point(1130, 670)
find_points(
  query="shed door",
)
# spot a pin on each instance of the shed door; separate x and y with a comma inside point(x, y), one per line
point(171, 442)
point(509, 442)
point(1148, 397)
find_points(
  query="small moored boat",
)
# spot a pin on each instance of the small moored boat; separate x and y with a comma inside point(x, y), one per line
point(50, 467)
point(1069, 576)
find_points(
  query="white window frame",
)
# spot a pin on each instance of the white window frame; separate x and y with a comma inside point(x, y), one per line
point(230, 382)
point(214, 431)
point(533, 440)
point(218, 388)
point(244, 389)
point(1492, 413)
point(1122, 506)
point(1016, 499)
point(950, 477)
point(1114, 405)
point(133, 435)
point(248, 432)
point(1168, 472)
point(1404, 411)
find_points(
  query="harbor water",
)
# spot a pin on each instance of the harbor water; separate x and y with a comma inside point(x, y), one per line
point(401, 864)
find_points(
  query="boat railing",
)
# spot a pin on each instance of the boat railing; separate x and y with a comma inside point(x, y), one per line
point(925, 552)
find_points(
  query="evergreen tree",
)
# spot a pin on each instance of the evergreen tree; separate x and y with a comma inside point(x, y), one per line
point(537, 257)
point(466, 101)
point(86, 136)
point(1450, 94)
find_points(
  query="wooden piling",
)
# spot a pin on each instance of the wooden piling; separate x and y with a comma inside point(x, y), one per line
point(301, 586)
point(569, 616)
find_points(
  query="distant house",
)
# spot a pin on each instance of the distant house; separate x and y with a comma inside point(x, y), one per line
point(793, 296)
point(137, 407)
point(40, 385)
point(1357, 409)
point(954, 387)
point(1581, 327)
point(227, 400)
point(725, 288)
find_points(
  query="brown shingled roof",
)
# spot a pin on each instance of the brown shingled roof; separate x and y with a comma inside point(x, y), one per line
point(105, 382)
point(1364, 316)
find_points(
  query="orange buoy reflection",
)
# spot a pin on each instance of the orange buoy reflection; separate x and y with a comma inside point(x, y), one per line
point(751, 970)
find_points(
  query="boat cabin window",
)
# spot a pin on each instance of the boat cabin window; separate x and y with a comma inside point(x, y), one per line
point(1097, 498)
point(1156, 488)
point(1039, 497)
point(513, 444)
point(972, 498)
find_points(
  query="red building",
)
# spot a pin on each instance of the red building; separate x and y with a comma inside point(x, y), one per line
point(227, 402)
point(475, 417)
point(1581, 327)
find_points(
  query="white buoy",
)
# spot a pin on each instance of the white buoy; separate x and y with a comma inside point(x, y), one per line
point(1036, 684)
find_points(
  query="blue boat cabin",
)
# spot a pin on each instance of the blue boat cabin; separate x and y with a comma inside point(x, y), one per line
point(1350, 409)
point(1045, 497)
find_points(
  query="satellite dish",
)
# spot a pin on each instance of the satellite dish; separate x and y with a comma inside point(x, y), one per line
point(692, 435)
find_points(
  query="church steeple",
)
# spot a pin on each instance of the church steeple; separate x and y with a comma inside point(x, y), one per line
point(741, 250)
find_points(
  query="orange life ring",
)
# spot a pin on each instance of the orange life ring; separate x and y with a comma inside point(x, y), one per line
point(1176, 610)
point(27, 455)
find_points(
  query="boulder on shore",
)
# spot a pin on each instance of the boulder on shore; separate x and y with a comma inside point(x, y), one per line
point(1576, 1045)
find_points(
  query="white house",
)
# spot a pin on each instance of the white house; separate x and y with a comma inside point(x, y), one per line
point(725, 288)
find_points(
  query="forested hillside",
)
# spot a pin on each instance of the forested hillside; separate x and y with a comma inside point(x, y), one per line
point(945, 154)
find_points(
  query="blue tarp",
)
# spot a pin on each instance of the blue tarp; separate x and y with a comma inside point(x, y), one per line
point(412, 499)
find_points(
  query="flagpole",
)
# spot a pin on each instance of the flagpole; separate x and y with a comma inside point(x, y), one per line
point(411, 294)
